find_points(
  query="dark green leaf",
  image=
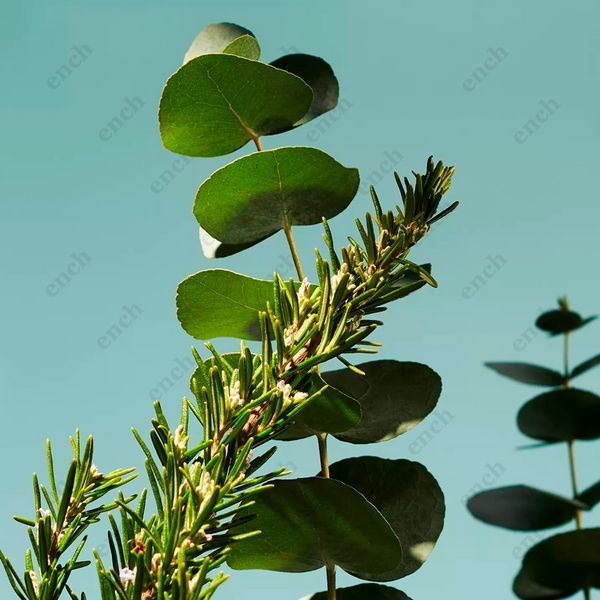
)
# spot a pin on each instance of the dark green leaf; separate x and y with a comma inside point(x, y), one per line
point(213, 248)
point(525, 588)
point(556, 322)
point(259, 194)
point(216, 103)
point(330, 412)
point(215, 38)
point(319, 76)
point(409, 498)
point(567, 414)
point(590, 496)
point(526, 373)
point(306, 523)
point(586, 365)
point(566, 561)
point(394, 397)
point(221, 303)
point(523, 508)
point(364, 591)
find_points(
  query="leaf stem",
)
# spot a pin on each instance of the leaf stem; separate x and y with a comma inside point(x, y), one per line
point(257, 143)
point(571, 449)
point(292, 244)
point(322, 439)
point(331, 582)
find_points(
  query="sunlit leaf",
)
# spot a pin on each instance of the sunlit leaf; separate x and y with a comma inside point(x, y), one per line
point(215, 38)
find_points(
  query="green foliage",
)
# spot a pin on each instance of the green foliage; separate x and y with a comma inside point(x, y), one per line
point(371, 591)
point(564, 564)
point(377, 519)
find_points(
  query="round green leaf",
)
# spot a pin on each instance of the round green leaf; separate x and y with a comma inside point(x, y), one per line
point(408, 496)
point(330, 412)
point(216, 38)
point(259, 194)
point(364, 591)
point(567, 414)
point(306, 523)
point(523, 508)
point(245, 46)
point(566, 561)
point(221, 303)
point(319, 76)
point(216, 103)
point(394, 397)
point(525, 588)
point(526, 373)
point(556, 322)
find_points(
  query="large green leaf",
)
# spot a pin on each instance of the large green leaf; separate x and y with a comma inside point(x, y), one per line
point(394, 397)
point(523, 508)
point(586, 365)
point(567, 414)
point(364, 591)
point(526, 373)
point(221, 303)
point(566, 561)
point(216, 103)
point(259, 194)
point(408, 496)
point(224, 37)
point(306, 523)
point(319, 76)
point(330, 412)
point(556, 322)
point(525, 588)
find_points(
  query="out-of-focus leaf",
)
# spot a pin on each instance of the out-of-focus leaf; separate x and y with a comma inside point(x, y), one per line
point(216, 103)
point(527, 589)
point(566, 414)
point(556, 322)
point(523, 508)
point(306, 523)
point(394, 397)
point(259, 194)
point(213, 248)
point(245, 46)
point(566, 561)
point(408, 496)
point(364, 591)
point(319, 76)
point(591, 495)
point(586, 365)
point(526, 373)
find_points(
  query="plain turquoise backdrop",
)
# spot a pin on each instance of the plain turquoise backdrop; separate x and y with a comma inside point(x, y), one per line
point(406, 71)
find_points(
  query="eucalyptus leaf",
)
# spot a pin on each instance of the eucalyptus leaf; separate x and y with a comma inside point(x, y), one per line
point(306, 523)
point(556, 322)
point(319, 76)
point(408, 496)
point(221, 303)
point(566, 414)
point(213, 248)
point(215, 38)
point(586, 365)
point(523, 508)
point(525, 588)
point(591, 495)
point(259, 194)
point(566, 561)
point(364, 591)
point(526, 373)
point(394, 397)
point(245, 46)
point(330, 412)
point(216, 103)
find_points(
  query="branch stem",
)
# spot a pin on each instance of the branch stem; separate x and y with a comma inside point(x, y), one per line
point(322, 439)
point(292, 244)
point(330, 582)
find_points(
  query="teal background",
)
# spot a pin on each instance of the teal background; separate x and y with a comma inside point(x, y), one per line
point(402, 68)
